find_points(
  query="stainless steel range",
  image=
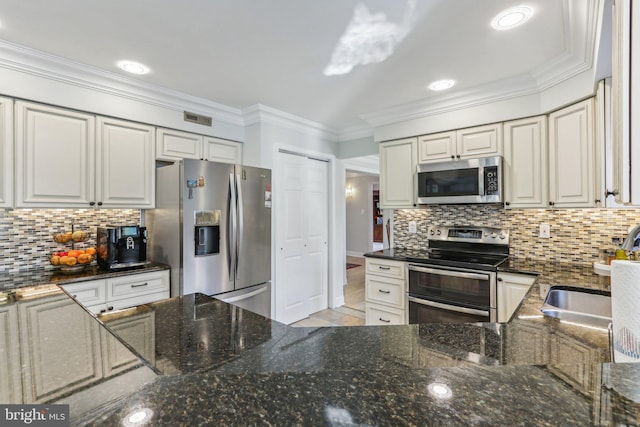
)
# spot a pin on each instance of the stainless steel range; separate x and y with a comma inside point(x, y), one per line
point(456, 281)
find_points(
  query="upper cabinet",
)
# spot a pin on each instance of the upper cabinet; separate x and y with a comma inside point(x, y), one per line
point(176, 145)
point(6, 152)
point(125, 164)
point(61, 161)
point(479, 141)
point(221, 150)
point(397, 173)
point(572, 166)
point(55, 153)
point(525, 163)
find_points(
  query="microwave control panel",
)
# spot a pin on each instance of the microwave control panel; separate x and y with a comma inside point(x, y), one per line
point(491, 181)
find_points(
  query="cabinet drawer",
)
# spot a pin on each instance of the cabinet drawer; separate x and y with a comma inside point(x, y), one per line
point(87, 293)
point(385, 267)
point(136, 284)
point(381, 315)
point(383, 290)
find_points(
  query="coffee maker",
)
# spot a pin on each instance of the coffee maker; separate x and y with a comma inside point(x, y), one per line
point(121, 246)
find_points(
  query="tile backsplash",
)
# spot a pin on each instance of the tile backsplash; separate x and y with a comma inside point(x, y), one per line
point(26, 235)
point(577, 235)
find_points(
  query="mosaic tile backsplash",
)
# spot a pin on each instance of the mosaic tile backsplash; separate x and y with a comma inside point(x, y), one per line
point(26, 235)
point(577, 235)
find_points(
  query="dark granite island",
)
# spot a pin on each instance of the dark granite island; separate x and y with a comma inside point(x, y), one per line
point(210, 363)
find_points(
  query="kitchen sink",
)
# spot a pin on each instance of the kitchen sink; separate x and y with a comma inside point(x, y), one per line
point(579, 305)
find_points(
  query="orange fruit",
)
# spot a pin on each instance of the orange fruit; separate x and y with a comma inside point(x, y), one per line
point(84, 258)
point(55, 260)
point(68, 260)
point(75, 253)
point(90, 251)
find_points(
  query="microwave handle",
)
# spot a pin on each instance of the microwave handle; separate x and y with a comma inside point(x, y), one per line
point(448, 307)
point(481, 181)
point(449, 273)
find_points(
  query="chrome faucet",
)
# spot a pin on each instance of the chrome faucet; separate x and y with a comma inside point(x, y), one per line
point(627, 245)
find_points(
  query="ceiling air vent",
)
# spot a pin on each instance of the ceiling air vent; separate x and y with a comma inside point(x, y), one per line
point(197, 118)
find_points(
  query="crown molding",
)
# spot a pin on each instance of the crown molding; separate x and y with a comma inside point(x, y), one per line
point(496, 91)
point(58, 69)
point(259, 113)
point(581, 24)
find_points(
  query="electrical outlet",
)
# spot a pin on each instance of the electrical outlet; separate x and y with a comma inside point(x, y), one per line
point(545, 231)
point(413, 227)
point(544, 290)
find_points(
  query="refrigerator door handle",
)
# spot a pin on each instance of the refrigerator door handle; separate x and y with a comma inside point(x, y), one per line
point(240, 223)
point(231, 229)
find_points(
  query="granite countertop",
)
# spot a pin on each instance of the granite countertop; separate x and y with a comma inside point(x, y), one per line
point(209, 362)
point(548, 271)
point(42, 276)
point(197, 360)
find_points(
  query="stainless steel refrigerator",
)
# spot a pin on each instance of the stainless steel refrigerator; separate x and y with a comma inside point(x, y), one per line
point(212, 225)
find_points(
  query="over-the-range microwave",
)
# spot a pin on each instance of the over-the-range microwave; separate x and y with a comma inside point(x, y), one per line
point(460, 181)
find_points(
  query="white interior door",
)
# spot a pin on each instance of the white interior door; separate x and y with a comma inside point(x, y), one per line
point(301, 285)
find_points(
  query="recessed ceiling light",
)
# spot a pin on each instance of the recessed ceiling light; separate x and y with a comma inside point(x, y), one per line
point(133, 67)
point(441, 84)
point(512, 17)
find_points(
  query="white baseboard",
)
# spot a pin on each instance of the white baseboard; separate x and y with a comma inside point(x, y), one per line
point(357, 254)
point(338, 302)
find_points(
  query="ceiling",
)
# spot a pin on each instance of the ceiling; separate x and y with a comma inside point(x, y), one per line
point(246, 52)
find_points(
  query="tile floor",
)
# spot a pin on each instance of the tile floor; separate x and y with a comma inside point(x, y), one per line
point(352, 312)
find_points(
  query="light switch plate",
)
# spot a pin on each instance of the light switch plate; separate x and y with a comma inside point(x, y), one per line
point(545, 231)
point(413, 227)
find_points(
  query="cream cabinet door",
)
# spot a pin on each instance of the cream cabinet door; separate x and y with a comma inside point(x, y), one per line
point(125, 164)
point(220, 150)
point(138, 331)
point(437, 147)
point(572, 156)
point(60, 345)
point(54, 157)
point(6, 152)
point(479, 141)
point(176, 145)
point(397, 173)
point(525, 161)
point(512, 288)
point(10, 366)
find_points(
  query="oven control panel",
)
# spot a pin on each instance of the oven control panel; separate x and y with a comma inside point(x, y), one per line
point(469, 234)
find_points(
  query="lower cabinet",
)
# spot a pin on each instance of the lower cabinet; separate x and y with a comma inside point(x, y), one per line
point(103, 295)
point(10, 380)
point(60, 348)
point(51, 348)
point(385, 292)
point(137, 330)
point(511, 290)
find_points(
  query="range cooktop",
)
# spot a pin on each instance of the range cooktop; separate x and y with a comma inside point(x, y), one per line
point(471, 260)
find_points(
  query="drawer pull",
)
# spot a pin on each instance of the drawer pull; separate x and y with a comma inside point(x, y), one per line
point(383, 291)
point(140, 285)
point(384, 268)
point(384, 320)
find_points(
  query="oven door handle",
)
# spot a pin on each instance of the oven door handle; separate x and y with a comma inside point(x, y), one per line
point(448, 307)
point(449, 273)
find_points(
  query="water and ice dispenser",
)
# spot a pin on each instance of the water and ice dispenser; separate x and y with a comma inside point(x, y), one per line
point(207, 232)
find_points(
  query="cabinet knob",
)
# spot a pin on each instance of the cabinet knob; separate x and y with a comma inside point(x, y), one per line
point(499, 279)
point(458, 156)
point(453, 157)
point(507, 203)
point(99, 203)
point(551, 203)
point(92, 203)
point(110, 308)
